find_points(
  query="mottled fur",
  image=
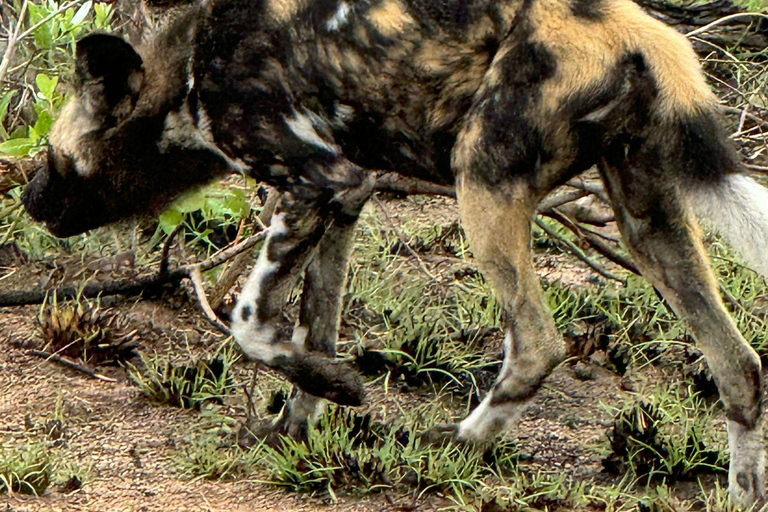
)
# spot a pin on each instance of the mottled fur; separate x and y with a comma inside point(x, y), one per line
point(506, 98)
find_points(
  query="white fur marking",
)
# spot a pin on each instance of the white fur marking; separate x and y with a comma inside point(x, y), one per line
point(255, 338)
point(339, 18)
point(306, 407)
point(180, 129)
point(488, 420)
point(507, 355)
point(747, 450)
point(301, 126)
point(343, 114)
point(299, 337)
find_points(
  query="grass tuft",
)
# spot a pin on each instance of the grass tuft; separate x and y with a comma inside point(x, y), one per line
point(185, 386)
point(26, 470)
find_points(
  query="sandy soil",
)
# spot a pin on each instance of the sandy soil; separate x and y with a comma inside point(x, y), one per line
point(129, 443)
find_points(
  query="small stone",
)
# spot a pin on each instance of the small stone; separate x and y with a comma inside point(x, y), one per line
point(584, 371)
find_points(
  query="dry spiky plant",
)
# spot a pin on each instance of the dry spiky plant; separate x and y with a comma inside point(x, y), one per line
point(83, 330)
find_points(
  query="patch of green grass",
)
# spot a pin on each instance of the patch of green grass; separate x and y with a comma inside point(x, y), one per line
point(536, 491)
point(427, 329)
point(669, 436)
point(750, 292)
point(207, 452)
point(186, 386)
point(42, 459)
point(26, 469)
point(355, 454)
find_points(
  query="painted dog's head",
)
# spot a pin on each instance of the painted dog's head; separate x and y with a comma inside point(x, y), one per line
point(129, 140)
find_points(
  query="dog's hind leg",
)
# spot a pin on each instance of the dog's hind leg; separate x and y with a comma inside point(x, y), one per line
point(497, 221)
point(664, 241)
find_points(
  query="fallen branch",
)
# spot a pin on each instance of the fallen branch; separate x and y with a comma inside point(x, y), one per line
point(128, 287)
point(403, 240)
point(559, 199)
point(599, 245)
point(394, 183)
point(69, 364)
point(573, 249)
point(167, 250)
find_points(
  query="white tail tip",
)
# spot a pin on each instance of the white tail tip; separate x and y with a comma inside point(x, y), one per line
point(737, 208)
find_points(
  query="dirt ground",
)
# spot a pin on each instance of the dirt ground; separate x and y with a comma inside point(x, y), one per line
point(129, 443)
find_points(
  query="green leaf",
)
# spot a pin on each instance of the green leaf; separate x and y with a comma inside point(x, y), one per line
point(237, 203)
point(19, 133)
point(4, 102)
point(17, 147)
point(68, 15)
point(46, 85)
point(44, 36)
point(36, 13)
point(191, 202)
point(170, 219)
point(104, 13)
point(43, 124)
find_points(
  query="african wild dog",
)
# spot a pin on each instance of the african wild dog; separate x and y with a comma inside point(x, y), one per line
point(506, 98)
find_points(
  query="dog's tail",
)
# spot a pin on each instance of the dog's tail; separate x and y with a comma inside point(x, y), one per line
point(686, 133)
point(736, 206)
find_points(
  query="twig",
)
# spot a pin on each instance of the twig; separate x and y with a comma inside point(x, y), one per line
point(593, 188)
point(560, 199)
point(724, 20)
point(578, 253)
point(12, 38)
point(69, 364)
point(167, 249)
point(599, 245)
point(401, 236)
point(49, 17)
point(196, 276)
point(397, 184)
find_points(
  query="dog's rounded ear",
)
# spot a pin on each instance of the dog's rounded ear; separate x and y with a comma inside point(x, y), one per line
point(111, 62)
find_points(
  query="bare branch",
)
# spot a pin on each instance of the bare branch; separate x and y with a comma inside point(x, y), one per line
point(69, 364)
point(395, 183)
point(196, 276)
point(129, 287)
point(573, 249)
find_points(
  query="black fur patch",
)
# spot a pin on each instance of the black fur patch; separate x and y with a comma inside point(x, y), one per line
point(109, 59)
point(449, 14)
point(629, 81)
point(593, 10)
point(512, 145)
point(702, 151)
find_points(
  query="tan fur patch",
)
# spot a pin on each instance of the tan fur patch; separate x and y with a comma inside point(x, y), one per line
point(467, 144)
point(390, 17)
point(463, 69)
point(284, 10)
point(433, 56)
point(66, 135)
point(587, 50)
